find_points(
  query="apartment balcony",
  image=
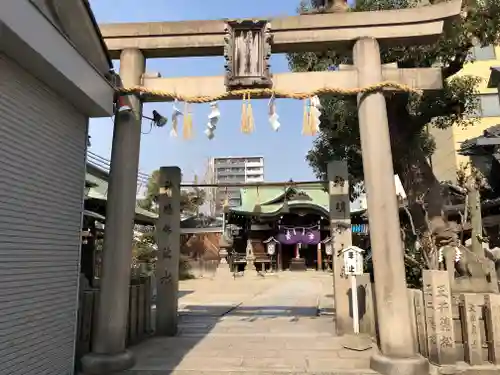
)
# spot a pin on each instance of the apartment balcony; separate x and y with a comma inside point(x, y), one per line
point(230, 164)
point(232, 179)
point(256, 178)
point(253, 172)
point(230, 172)
point(259, 164)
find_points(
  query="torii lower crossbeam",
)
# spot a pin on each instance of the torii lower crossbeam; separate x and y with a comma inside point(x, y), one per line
point(422, 79)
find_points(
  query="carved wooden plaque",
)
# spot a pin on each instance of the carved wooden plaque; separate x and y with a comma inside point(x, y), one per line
point(247, 52)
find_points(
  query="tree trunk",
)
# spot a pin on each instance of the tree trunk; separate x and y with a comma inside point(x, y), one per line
point(423, 190)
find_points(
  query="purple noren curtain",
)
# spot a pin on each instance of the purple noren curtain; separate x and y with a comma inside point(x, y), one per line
point(293, 236)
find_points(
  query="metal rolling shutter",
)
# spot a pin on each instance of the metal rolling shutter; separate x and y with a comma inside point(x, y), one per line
point(42, 174)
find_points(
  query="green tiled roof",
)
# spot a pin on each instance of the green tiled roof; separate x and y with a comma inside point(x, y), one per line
point(100, 186)
point(99, 191)
point(271, 199)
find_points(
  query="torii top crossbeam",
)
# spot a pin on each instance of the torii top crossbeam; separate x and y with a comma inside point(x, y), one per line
point(310, 32)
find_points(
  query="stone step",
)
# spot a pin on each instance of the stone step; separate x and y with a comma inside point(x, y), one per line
point(245, 372)
point(209, 368)
point(254, 359)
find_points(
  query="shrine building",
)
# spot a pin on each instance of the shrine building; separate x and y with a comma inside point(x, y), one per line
point(286, 228)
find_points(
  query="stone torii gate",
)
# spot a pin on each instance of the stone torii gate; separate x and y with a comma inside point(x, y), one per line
point(363, 32)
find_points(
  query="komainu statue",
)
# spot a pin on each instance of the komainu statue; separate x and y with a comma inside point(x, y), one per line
point(469, 272)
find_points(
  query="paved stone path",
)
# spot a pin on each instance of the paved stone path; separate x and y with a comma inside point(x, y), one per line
point(252, 325)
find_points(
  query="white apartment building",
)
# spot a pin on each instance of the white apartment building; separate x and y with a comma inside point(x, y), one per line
point(235, 170)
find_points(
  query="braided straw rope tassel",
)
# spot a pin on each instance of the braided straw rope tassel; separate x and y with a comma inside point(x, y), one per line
point(250, 122)
point(187, 127)
point(312, 125)
point(244, 117)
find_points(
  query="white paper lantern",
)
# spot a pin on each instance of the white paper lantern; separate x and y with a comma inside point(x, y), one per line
point(271, 248)
point(328, 249)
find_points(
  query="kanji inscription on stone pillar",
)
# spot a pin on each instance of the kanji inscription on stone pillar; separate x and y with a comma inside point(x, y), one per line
point(471, 305)
point(438, 315)
point(167, 264)
point(340, 228)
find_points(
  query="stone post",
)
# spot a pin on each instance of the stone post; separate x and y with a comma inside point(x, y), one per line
point(340, 231)
point(108, 347)
point(476, 220)
point(398, 353)
point(167, 266)
point(471, 305)
point(223, 266)
point(250, 257)
point(438, 317)
point(492, 320)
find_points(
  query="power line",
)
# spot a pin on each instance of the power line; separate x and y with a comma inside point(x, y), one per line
point(104, 164)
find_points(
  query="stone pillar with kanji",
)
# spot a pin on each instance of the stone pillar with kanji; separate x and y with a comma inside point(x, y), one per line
point(167, 264)
point(340, 228)
point(438, 317)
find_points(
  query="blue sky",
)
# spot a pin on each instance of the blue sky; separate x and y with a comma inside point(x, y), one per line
point(284, 151)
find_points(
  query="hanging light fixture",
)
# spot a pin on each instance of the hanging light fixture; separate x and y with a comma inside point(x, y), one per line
point(159, 120)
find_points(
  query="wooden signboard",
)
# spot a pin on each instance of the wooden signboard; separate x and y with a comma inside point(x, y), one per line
point(247, 50)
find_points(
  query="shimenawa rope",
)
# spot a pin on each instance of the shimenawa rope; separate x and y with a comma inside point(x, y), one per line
point(256, 93)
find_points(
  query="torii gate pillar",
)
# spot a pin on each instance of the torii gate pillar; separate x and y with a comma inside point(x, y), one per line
point(108, 342)
point(398, 354)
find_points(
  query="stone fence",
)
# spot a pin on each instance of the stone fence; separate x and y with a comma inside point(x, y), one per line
point(454, 328)
point(450, 329)
point(139, 316)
